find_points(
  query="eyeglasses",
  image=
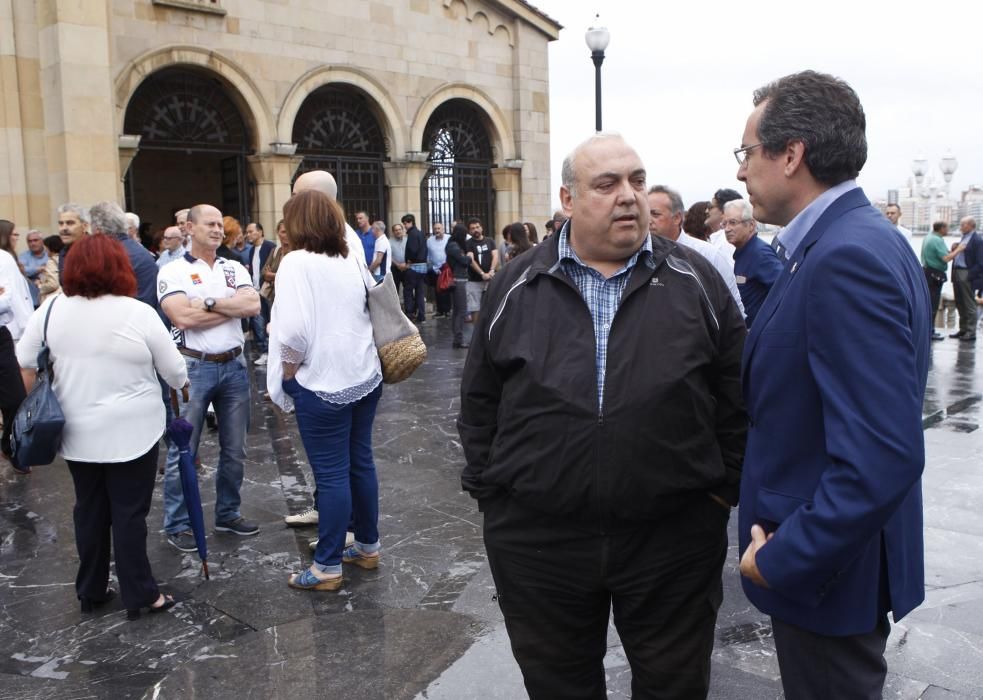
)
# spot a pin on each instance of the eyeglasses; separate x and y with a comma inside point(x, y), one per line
point(740, 154)
point(733, 222)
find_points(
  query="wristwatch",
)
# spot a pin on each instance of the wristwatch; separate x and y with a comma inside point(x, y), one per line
point(209, 304)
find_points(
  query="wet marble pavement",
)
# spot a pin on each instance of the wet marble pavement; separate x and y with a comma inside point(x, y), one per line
point(423, 625)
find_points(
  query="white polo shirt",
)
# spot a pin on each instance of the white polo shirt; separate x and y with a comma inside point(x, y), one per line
point(195, 279)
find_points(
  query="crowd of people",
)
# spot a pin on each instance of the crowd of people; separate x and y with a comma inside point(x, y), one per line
point(698, 366)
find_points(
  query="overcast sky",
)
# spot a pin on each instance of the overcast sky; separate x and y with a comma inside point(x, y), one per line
point(678, 77)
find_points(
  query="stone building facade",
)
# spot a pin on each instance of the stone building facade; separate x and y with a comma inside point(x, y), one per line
point(435, 107)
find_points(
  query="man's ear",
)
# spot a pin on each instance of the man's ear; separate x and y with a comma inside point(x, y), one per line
point(794, 156)
point(566, 200)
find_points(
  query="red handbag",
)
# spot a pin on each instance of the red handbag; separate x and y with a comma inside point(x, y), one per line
point(445, 280)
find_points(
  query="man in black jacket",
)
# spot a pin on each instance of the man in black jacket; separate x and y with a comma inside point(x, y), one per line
point(414, 285)
point(603, 431)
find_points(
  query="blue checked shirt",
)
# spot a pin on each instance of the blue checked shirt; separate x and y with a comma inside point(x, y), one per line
point(601, 295)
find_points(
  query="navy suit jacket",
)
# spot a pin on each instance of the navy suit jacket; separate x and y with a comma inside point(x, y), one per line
point(974, 261)
point(834, 376)
point(265, 249)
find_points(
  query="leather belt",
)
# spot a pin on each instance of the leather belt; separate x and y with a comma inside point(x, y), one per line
point(212, 357)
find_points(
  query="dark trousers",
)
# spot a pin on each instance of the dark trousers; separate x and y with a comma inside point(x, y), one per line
point(399, 277)
point(817, 667)
point(414, 295)
point(257, 324)
point(114, 498)
point(934, 295)
point(459, 296)
point(11, 387)
point(962, 291)
point(558, 582)
point(442, 300)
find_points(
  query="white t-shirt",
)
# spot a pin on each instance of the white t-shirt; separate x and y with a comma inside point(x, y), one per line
point(718, 239)
point(716, 257)
point(382, 246)
point(105, 351)
point(194, 278)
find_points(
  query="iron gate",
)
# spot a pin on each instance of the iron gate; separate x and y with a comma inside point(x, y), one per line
point(336, 131)
point(457, 185)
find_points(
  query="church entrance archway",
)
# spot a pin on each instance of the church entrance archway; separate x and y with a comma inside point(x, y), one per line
point(193, 147)
point(336, 130)
point(457, 185)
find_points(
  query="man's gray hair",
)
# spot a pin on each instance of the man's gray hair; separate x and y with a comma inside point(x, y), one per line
point(72, 208)
point(181, 211)
point(108, 218)
point(381, 225)
point(746, 210)
point(568, 176)
point(132, 220)
point(675, 201)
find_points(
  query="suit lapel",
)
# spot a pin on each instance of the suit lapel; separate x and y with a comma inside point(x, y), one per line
point(850, 200)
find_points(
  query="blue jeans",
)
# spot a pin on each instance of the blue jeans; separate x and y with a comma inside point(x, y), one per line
point(338, 442)
point(257, 324)
point(226, 386)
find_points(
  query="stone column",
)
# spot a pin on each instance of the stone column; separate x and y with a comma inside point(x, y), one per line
point(507, 183)
point(128, 146)
point(403, 179)
point(76, 87)
point(23, 168)
point(273, 174)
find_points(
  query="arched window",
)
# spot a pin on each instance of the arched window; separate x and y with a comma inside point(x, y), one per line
point(193, 146)
point(336, 130)
point(458, 184)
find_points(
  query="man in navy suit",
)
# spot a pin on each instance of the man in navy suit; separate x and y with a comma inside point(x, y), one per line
point(834, 376)
point(259, 252)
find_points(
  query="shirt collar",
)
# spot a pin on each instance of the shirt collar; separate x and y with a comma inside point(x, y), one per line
point(793, 234)
point(565, 251)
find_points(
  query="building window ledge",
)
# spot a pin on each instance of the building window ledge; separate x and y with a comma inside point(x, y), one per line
point(211, 7)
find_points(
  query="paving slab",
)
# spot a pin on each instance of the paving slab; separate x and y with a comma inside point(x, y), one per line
point(424, 624)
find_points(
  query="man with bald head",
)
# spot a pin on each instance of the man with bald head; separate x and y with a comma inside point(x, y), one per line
point(323, 181)
point(205, 297)
point(172, 244)
point(596, 505)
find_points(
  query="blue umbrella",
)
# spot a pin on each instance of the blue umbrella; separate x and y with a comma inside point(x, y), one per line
point(180, 432)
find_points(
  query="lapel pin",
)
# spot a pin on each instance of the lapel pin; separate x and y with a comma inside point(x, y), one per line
point(794, 266)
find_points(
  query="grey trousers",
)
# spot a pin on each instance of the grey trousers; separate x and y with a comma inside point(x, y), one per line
point(818, 667)
point(962, 290)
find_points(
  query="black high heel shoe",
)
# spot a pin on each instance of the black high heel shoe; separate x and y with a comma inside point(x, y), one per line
point(168, 603)
point(90, 604)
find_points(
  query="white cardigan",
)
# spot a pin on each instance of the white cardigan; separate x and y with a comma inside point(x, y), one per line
point(16, 305)
point(320, 314)
point(104, 352)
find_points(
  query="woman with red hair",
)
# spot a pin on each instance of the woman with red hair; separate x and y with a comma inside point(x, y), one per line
point(106, 347)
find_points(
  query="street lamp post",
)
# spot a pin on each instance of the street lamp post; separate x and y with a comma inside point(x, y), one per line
point(597, 38)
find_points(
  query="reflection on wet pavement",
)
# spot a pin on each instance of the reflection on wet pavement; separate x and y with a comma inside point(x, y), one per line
point(424, 623)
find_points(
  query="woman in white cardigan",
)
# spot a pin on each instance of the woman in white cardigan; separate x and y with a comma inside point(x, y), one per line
point(16, 308)
point(105, 347)
point(324, 364)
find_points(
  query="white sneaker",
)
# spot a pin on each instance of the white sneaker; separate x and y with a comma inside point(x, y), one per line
point(349, 541)
point(307, 517)
point(261, 360)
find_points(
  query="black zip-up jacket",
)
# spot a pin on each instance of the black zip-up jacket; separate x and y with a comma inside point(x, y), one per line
point(673, 426)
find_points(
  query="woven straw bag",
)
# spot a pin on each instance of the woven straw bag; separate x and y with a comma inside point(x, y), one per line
point(401, 349)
